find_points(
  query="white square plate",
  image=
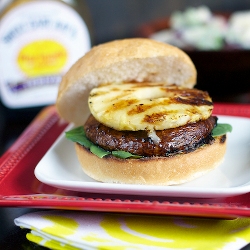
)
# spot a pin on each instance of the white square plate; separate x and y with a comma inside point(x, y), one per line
point(60, 168)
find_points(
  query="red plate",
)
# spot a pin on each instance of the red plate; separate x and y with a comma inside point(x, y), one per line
point(20, 188)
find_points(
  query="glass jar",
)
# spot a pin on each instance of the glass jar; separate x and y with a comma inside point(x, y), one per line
point(39, 42)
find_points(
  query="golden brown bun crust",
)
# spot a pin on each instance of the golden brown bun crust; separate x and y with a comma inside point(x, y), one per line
point(128, 60)
point(153, 171)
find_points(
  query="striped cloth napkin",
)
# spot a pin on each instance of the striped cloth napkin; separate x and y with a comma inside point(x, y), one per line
point(71, 230)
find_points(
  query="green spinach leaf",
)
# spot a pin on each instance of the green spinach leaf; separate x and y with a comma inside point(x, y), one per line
point(98, 151)
point(221, 129)
point(78, 135)
point(125, 155)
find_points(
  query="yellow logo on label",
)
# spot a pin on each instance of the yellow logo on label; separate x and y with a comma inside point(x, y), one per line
point(41, 58)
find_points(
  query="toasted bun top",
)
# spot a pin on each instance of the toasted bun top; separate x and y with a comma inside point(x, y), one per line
point(128, 60)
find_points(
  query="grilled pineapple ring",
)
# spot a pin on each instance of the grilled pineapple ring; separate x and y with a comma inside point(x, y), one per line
point(148, 106)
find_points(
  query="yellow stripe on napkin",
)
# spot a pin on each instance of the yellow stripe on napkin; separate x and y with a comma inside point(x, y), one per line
point(73, 230)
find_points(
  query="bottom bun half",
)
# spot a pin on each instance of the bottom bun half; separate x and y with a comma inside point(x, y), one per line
point(173, 170)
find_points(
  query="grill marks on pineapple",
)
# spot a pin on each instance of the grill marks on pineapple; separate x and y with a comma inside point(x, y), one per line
point(148, 106)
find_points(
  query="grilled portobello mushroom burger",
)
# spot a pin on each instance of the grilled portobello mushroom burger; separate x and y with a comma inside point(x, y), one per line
point(138, 118)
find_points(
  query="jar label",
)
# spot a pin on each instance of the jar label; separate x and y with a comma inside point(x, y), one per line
point(39, 42)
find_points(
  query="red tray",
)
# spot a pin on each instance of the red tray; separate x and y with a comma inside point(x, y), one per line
point(20, 188)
